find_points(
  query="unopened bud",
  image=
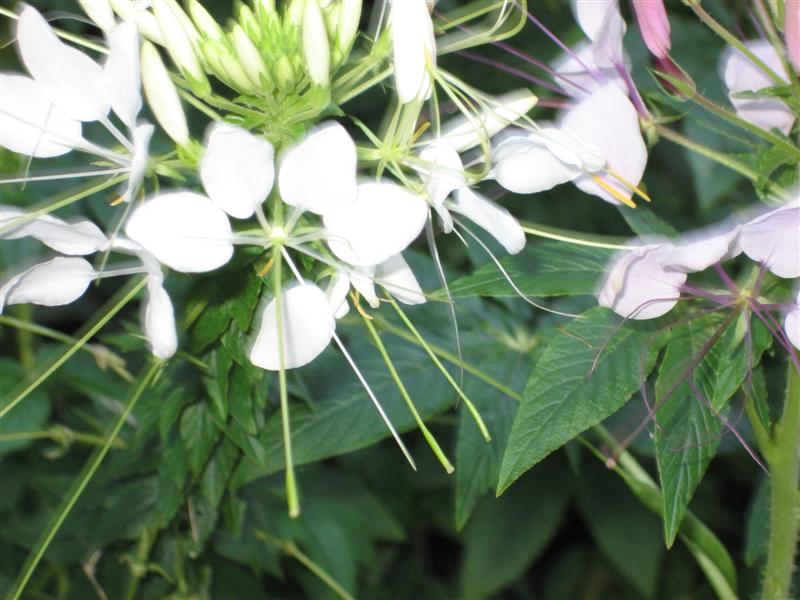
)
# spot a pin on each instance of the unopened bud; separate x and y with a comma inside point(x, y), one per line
point(284, 73)
point(674, 80)
point(181, 43)
point(162, 96)
point(250, 58)
point(204, 21)
point(144, 19)
point(294, 12)
point(100, 12)
point(316, 50)
point(347, 26)
point(653, 25)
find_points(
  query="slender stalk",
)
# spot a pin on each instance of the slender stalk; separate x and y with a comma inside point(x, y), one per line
point(102, 355)
point(784, 467)
point(27, 218)
point(476, 416)
point(116, 307)
point(451, 358)
point(571, 237)
point(289, 548)
point(732, 40)
point(292, 496)
point(139, 563)
point(437, 450)
point(60, 435)
point(88, 472)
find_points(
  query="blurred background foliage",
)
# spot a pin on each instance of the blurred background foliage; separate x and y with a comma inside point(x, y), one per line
point(191, 502)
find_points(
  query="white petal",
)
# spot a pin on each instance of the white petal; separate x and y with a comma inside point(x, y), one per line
point(442, 171)
point(361, 280)
point(463, 133)
point(607, 41)
point(414, 49)
point(30, 124)
point(639, 287)
point(336, 293)
point(384, 219)
point(607, 121)
point(492, 217)
point(133, 10)
point(398, 279)
point(525, 165)
point(72, 80)
point(308, 327)
point(319, 173)
point(122, 73)
point(162, 96)
point(52, 283)
point(100, 12)
point(78, 238)
point(159, 320)
point(791, 325)
point(591, 14)
point(183, 230)
point(773, 239)
point(237, 169)
point(141, 147)
point(703, 251)
point(741, 75)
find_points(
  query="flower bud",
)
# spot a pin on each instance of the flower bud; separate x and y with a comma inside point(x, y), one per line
point(248, 21)
point(100, 12)
point(144, 19)
point(204, 21)
point(250, 59)
point(294, 12)
point(674, 80)
point(285, 74)
point(347, 25)
point(181, 40)
point(792, 32)
point(316, 49)
point(162, 96)
point(653, 25)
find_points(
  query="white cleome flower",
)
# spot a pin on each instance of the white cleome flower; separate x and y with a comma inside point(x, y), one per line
point(365, 225)
point(446, 184)
point(41, 115)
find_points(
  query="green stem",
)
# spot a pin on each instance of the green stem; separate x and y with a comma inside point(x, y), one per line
point(732, 40)
point(476, 416)
point(102, 355)
point(25, 337)
point(451, 358)
point(572, 237)
point(437, 450)
point(139, 562)
point(59, 434)
point(80, 484)
point(28, 217)
point(289, 548)
point(784, 468)
point(292, 496)
point(732, 117)
point(133, 289)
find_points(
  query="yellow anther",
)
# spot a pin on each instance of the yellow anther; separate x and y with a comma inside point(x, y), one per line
point(422, 129)
point(118, 200)
point(265, 269)
point(357, 303)
point(635, 189)
point(613, 191)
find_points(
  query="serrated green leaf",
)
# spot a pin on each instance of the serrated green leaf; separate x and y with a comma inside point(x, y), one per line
point(217, 471)
point(541, 269)
point(199, 434)
point(696, 380)
point(29, 417)
point(586, 374)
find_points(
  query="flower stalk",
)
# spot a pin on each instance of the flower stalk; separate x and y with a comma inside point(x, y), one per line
point(784, 468)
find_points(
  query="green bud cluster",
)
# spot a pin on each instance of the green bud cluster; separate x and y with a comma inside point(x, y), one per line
point(266, 52)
